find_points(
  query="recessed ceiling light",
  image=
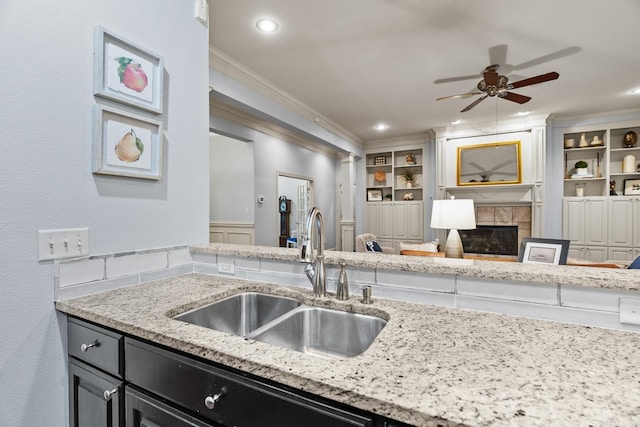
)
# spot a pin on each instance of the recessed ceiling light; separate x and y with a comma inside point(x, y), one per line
point(636, 91)
point(456, 122)
point(381, 126)
point(523, 113)
point(267, 25)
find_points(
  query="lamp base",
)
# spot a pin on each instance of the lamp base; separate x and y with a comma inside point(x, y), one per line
point(453, 248)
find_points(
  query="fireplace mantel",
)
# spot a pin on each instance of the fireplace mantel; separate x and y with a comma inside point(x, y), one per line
point(516, 194)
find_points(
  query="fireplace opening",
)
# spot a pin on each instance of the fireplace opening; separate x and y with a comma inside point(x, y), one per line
point(491, 240)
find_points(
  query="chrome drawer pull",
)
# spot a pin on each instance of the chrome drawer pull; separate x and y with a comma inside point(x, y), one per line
point(86, 347)
point(210, 401)
point(108, 393)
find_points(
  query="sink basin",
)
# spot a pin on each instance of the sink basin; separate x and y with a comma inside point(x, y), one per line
point(323, 332)
point(240, 314)
point(286, 322)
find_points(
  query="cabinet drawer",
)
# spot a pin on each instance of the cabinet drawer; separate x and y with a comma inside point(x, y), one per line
point(96, 346)
point(144, 411)
point(241, 401)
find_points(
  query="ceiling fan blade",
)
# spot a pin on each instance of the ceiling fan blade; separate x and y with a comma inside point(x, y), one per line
point(457, 79)
point(462, 95)
point(474, 103)
point(491, 78)
point(515, 97)
point(535, 80)
point(549, 57)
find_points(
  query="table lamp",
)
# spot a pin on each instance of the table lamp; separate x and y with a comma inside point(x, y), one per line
point(454, 215)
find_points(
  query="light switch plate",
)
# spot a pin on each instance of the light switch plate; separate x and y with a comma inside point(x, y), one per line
point(630, 311)
point(63, 243)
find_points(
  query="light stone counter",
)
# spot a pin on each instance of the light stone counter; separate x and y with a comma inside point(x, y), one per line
point(610, 278)
point(429, 366)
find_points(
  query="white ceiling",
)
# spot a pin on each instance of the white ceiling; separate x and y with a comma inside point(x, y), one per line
point(359, 62)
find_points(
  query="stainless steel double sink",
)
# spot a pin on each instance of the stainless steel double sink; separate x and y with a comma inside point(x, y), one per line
point(288, 323)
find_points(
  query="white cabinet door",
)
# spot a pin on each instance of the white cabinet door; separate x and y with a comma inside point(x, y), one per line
point(573, 221)
point(596, 253)
point(415, 220)
point(620, 254)
point(595, 217)
point(636, 223)
point(385, 224)
point(621, 223)
point(400, 224)
point(576, 252)
point(371, 217)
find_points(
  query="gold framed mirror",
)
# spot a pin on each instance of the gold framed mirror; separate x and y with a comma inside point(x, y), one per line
point(495, 163)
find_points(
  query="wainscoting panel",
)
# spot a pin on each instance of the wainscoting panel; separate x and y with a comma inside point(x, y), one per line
point(232, 232)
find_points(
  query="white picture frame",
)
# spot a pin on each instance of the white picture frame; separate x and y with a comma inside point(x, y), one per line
point(126, 72)
point(126, 144)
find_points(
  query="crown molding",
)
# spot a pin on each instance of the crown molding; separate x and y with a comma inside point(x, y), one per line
point(245, 119)
point(225, 64)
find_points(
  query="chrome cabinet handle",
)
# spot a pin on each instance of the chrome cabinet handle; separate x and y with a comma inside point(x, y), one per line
point(210, 401)
point(108, 393)
point(85, 347)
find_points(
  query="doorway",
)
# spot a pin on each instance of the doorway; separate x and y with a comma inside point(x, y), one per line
point(299, 190)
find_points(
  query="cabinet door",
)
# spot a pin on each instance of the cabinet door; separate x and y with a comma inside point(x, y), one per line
point(595, 216)
point(95, 398)
point(385, 224)
point(415, 220)
point(400, 225)
point(621, 224)
point(372, 217)
point(635, 223)
point(576, 252)
point(144, 411)
point(573, 221)
point(620, 254)
point(596, 253)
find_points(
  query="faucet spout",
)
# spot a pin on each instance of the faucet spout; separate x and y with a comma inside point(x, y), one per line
point(315, 270)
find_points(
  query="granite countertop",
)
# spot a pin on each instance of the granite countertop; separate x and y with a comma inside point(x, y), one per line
point(429, 366)
point(610, 278)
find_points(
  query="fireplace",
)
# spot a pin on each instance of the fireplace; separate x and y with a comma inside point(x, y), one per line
point(491, 240)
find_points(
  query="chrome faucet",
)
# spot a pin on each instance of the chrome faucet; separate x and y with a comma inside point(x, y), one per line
point(315, 269)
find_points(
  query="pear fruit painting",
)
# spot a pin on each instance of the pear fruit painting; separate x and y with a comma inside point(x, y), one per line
point(129, 148)
point(131, 74)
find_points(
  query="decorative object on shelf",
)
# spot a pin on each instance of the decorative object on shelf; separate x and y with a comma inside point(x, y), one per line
point(581, 170)
point(630, 139)
point(629, 164)
point(579, 190)
point(489, 164)
point(612, 188)
point(410, 159)
point(583, 141)
point(374, 195)
point(596, 141)
point(638, 168)
point(569, 143)
point(388, 197)
point(631, 187)
point(379, 176)
point(454, 215)
point(379, 161)
point(127, 73)
point(408, 176)
point(598, 175)
point(407, 196)
point(543, 251)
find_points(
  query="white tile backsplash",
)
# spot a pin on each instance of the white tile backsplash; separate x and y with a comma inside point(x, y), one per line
point(124, 265)
point(420, 281)
point(179, 256)
point(592, 298)
point(506, 290)
point(80, 271)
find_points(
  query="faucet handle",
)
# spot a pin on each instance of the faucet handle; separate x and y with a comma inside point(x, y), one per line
point(366, 295)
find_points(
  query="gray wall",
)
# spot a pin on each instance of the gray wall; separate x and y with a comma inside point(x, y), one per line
point(46, 180)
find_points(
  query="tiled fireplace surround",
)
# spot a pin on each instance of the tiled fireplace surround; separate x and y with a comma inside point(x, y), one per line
point(506, 215)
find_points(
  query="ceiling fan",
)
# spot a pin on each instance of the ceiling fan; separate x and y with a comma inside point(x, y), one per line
point(494, 84)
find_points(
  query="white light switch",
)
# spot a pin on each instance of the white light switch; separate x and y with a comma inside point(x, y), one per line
point(63, 243)
point(226, 268)
point(630, 311)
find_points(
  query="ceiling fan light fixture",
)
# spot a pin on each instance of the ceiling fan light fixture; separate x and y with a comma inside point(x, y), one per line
point(523, 113)
point(267, 25)
point(456, 122)
point(381, 126)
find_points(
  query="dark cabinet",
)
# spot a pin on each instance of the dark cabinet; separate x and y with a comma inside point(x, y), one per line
point(145, 411)
point(95, 398)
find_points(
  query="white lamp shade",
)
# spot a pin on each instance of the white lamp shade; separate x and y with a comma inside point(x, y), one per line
point(453, 214)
